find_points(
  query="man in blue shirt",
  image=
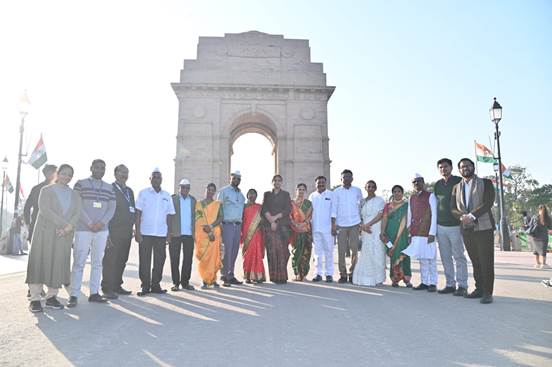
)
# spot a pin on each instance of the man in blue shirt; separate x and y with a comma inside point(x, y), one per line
point(233, 203)
point(182, 237)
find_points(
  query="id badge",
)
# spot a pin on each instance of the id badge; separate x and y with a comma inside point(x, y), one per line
point(97, 205)
point(131, 209)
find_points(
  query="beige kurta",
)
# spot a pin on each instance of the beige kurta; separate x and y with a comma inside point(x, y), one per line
point(50, 255)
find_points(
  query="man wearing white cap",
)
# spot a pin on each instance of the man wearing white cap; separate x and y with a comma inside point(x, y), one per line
point(153, 208)
point(233, 203)
point(422, 227)
point(182, 237)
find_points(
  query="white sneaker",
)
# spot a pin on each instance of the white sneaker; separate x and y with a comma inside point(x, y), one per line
point(537, 266)
point(545, 266)
point(546, 283)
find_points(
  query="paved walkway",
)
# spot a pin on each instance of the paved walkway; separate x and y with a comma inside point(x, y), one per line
point(297, 324)
point(12, 264)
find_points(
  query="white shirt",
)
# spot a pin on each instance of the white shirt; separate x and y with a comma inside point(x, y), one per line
point(467, 191)
point(155, 206)
point(323, 210)
point(348, 204)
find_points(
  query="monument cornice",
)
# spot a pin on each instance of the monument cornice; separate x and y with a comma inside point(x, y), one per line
point(239, 91)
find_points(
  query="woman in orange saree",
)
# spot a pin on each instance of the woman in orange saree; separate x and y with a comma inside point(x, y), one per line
point(301, 236)
point(208, 216)
point(252, 240)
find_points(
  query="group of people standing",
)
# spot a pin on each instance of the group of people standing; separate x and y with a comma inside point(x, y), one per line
point(92, 218)
point(100, 219)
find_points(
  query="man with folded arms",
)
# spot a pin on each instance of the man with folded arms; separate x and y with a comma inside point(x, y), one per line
point(98, 207)
point(472, 202)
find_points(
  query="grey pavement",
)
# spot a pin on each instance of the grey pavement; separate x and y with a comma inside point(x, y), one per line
point(297, 324)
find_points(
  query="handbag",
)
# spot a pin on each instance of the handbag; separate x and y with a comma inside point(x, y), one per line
point(533, 227)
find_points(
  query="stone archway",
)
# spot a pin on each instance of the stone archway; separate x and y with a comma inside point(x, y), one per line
point(257, 123)
point(252, 82)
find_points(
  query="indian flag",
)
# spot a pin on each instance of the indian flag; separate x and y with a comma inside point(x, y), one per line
point(38, 156)
point(505, 171)
point(483, 153)
point(8, 185)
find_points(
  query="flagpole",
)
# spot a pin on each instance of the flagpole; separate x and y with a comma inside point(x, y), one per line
point(38, 170)
point(2, 207)
point(476, 160)
point(19, 159)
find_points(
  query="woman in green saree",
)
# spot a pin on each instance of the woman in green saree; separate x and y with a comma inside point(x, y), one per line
point(301, 236)
point(395, 234)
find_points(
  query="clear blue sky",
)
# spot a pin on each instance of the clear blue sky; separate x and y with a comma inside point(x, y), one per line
point(415, 79)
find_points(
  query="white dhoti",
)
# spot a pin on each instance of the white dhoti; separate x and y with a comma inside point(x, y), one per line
point(426, 252)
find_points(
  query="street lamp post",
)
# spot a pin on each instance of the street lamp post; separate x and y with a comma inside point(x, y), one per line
point(4, 165)
point(496, 115)
point(496, 168)
point(24, 111)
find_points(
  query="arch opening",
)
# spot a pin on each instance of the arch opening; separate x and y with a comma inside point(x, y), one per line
point(253, 153)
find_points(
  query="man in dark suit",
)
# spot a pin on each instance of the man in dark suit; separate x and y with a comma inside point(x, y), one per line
point(182, 237)
point(30, 211)
point(120, 236)
point(471, 202)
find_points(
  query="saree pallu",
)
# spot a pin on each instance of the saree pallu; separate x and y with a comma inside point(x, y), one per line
point(397, 233)
point(253, 246)
point(301, 237)
point(207, 252)
point(277, 252)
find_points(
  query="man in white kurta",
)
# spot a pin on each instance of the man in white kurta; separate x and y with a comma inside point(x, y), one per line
point(422, 227)
point(323, 224)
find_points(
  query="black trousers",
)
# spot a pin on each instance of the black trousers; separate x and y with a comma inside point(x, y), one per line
point(480, 247)
point(186, 245)
point(151, 277)
point(114, 261)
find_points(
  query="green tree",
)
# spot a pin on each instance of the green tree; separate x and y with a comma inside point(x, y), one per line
point(540, 195)
point(518, 191)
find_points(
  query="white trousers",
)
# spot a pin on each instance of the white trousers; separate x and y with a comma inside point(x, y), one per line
point(428, 271)
point(323, 252)
point(93, 243)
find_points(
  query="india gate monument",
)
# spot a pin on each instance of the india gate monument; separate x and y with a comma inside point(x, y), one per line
point(252, 82)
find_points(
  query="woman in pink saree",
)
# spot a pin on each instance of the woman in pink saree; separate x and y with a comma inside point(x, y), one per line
point(252, 240)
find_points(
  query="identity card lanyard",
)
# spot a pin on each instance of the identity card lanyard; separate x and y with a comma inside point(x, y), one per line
point(96, 204)
point(125, 193)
